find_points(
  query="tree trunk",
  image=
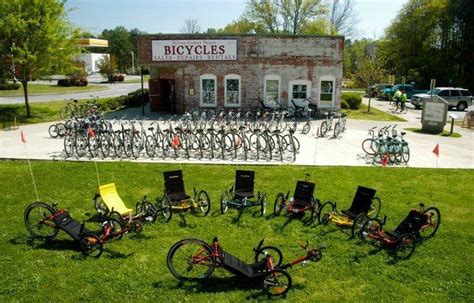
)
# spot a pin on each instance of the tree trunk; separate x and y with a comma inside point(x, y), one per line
point(27, 104)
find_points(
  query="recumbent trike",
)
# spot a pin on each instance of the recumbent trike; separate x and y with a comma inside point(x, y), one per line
point(418, 225)
point(239, 196)
point(301, 202)
point(194, 260)
point(44, 221)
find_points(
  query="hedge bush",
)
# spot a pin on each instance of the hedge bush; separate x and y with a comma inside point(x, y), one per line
point(9, 86)
point(133, 99)
point(72, 82)
point(353, 100)
point(344, 104)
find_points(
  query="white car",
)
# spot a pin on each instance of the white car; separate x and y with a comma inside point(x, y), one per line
point(460, 98)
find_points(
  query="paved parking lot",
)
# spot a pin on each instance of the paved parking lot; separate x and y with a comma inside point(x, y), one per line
point(346, 151)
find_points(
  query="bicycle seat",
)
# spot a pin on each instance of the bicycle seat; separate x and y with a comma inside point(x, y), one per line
point(151, 128)
point(403, 133)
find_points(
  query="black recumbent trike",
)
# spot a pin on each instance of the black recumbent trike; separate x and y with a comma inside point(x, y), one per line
point(302, 201)
point(175, 198)
point(44, 221)
point(241, 194)
point(195, 260)
point(417, 226)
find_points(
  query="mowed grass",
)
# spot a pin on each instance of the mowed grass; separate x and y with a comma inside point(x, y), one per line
point(373, 115)
point(134, 268)
point(46, 89)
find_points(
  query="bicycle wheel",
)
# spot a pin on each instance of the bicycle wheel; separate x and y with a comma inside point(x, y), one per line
point(38, 222)
point(190, 260)
point(375, 207)
point(323, 129)
point(405, 154)
point(69, 143)
point(91, 245)
point(81, 145)
point(105, 144)
point(325, 212)
point(357, 224)
point(53, 131)
point(277, 283)
point(306, 128)
point(164, 209)
point(434, 220)
point(135, 146)
point(100, 205)
point(337, 129)
point(93, 146)
point(65, 112)
point(369, 146)
point(225, 198)
point(112, 229)
point(405, 247)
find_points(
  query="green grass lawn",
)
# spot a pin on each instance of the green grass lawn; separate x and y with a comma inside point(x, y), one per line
point(46, 89)
point(375, 114)
point(134, 268)
point(145, 79)
point(444, 133)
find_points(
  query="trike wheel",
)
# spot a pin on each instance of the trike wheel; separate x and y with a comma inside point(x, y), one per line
point(358, 223)
point(263, 204)
point(190, 259)
point(112, 229)
point(434, 220)
point(375, 207)
point(225, 198)
point(204, 203)
point(280, 204)
point(37, 221)
point(146, 210)
point(277, 283)
point(100, 206)
point(164, 209)
point(91, 245)
point(315, 205)
point(325, 212)
point(275, 253)
point(406, 246)
point(370, 227)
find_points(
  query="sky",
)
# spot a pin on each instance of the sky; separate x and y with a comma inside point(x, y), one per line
point(167, 16)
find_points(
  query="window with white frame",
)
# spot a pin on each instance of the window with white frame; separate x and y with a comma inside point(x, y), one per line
point(272, 90)
point(326, 91)
point(299, 90)
point(208, 90)
point(232, 90)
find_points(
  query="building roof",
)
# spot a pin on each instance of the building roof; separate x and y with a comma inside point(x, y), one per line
point(242, 35)
point(91, 42)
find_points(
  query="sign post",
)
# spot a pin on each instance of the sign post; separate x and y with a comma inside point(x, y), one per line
point(435, 111)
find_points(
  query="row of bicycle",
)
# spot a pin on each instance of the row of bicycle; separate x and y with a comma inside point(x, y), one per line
point(192, 259)
point(387, 146)
point(130, 139)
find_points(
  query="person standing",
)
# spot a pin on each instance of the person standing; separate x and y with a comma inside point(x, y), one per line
point(403, 99)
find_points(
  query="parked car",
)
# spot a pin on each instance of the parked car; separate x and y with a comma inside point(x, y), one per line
point(460, 98)
point(375, 90)
point(388, 93)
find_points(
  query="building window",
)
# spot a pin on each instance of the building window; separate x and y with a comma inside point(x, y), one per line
point(208, 90)
point(300, 91)
point(326, 92)
point(272, 90)
point(232, 90)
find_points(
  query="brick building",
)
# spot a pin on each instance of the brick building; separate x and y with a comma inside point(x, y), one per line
point(235, 71)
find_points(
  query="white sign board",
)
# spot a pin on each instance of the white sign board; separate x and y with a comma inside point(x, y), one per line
point(434, 112)
point(194, 50)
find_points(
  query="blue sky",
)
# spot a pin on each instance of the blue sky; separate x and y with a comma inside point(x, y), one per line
point(167, 16)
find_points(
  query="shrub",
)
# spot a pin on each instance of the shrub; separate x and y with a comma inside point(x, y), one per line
point(120, 78)
point(344, 104)
point(72, 82)
point(9, 86)
point(64, 82)
point(353, 100)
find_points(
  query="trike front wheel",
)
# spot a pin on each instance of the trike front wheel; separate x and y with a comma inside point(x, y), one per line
point(38, 221)
point(277, 283)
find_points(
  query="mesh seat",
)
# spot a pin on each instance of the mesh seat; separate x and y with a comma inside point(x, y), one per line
point(304, 191)
point(411, 224)
point(361, 203)
point(174, 186)
point(111, 198)
point(244, 183)
point(73, 228)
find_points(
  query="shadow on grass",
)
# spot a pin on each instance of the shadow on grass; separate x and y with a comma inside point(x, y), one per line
point(225, 284)
point(444, 133)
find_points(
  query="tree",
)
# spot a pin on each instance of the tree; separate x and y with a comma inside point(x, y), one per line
point(107, 68)
point(191, 26)
point(371, 71)
point(242, 26)
point(284, 16)
point(39, 37)
point(120, 46)
point(343, 17)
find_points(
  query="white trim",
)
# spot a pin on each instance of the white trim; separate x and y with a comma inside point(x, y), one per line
point(290, 91)
point(327, 78)
point(232, 77)
point(204, 77)
point(271, 77)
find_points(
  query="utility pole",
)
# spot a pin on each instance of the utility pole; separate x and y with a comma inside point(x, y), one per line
point(133, 64)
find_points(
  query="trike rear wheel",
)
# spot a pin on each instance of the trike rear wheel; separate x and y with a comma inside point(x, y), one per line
point(433, 223)
point(325, 213)
point(190, 259)
point(280, 204)
point(91, 245)
point(38, 223)
point(275, 253)
point(406, 246)
point(203, 204)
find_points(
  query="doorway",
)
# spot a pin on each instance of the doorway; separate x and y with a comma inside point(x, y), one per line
point(168, 95)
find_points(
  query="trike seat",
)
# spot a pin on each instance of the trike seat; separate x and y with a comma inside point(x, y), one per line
point(361, 203)
point(73, 228)
point(244, 194)
point(174, 186)
point(237, 266)
point(178, 197)
point(244, 184)
point(411, 224)
point(303, 193)
point(111, 198)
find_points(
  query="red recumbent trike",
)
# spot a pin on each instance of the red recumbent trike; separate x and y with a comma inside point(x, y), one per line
point(194, 260)
point(44, 221)
point(301, 202)
point(417, 226)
